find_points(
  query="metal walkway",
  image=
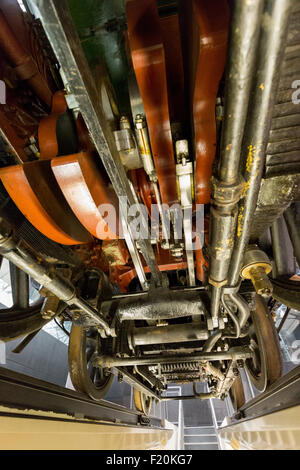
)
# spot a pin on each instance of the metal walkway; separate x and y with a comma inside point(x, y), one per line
point(22, 392)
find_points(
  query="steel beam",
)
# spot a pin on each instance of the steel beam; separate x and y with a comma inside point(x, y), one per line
point(22, 392)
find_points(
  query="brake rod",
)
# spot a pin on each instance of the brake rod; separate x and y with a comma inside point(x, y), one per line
point(233, 354)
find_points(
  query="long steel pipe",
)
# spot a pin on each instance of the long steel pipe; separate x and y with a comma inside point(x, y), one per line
point(233, 354)
point(271, 48)
point(243, 41)
point(290, 216)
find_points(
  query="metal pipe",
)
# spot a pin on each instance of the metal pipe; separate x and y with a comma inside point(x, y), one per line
point(282, 249)
point(272, 42)
point(233, 318)
point(226, 191)
point(243, 40)
point(143, 141)
point(211, 370)
point(158, 304)
point(212, 340)
point(293, 229)
point(57, 285)
point(200, 396)
point(233, 354)
point(167, 334)
point(243, 307)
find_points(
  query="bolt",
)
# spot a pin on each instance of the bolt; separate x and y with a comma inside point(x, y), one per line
point(260, 281)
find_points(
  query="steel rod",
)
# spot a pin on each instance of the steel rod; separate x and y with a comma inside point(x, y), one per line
point(271, 49)
point(243, 42)
point(233, 354)
point(57, 285)
point(168, 334)
point(293, 229)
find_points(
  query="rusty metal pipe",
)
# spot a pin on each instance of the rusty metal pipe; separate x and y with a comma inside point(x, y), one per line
point(227, 188)
point(233, 354)
point(264, 87)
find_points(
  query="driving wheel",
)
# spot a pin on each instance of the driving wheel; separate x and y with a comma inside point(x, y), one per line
point(266, 365)
point(86, 377)
point(236, 394)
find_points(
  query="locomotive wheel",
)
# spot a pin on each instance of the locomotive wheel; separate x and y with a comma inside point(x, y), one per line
point(142, 402)
point(236, 394)
point(85, 376)
point(265, 368)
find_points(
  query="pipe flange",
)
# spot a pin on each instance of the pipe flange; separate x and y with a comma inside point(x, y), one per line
point(224, 194)
point(217, 283)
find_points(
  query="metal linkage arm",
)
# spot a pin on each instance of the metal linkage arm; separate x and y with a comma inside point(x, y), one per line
point(57, 285)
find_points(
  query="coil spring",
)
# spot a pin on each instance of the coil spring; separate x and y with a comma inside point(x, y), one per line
point(181, 366)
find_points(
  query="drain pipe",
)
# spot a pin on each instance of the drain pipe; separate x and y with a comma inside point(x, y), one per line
point(271, 48)
point(227, 188)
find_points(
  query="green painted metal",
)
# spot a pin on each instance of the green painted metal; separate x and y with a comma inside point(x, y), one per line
point(101, 25)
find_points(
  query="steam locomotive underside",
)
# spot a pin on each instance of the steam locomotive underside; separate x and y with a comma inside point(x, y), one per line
point(149, 194)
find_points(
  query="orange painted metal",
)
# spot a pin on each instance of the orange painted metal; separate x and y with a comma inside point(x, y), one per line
point(148, 57)
point(205, 29)
point(210, 44)
point(25, 66)
point(86, 189)
point(174, 67)
point(123, 275)
point(34, 190)
point(47, 127)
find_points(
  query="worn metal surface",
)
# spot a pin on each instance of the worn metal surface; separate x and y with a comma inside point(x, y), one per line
point(270, 51)
point(284, 261)
point(168, 334)
point(284, 140)
point(80, 171)
point(65, 42)
point(282, 394)
point(49, 279)
point(211, 21)
point(158, 304)
point(148, 57)
point(233, 354)
point(291, 216)
point(275, 195)
point(226, 188)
